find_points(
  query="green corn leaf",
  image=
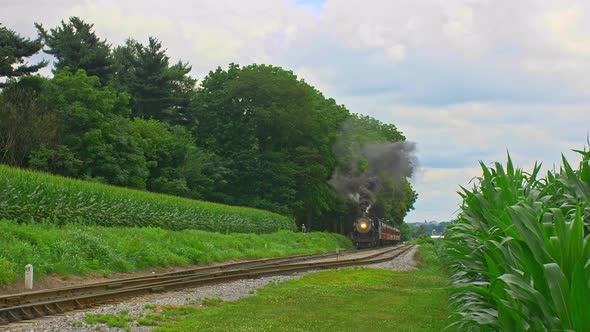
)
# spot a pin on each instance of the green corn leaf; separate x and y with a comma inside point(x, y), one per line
point(559, 293)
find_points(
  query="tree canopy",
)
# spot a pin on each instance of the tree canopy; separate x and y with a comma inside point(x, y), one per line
point(158, 90)
point(254, 136)
point(75, 45)
point(14, 50)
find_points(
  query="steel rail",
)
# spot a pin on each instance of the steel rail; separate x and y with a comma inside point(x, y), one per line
point(8, 300)
point(60, 305)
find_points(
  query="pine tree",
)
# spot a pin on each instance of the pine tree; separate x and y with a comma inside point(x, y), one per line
point(14, 50)
point(158, 90)
point(75, 45)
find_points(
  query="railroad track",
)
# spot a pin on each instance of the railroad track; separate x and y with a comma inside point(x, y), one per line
point(31, 305)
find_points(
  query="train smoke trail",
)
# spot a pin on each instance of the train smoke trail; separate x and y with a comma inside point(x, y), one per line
point(384, 161)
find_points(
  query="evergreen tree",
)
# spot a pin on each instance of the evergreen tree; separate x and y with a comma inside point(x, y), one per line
point(158, 90)
point(75, 45)
point(14, 50)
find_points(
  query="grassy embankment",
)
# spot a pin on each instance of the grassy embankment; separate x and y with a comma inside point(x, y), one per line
point(352, 299)
point(78, 249)
point(72, 227)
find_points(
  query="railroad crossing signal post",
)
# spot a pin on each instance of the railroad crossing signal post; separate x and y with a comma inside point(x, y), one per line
point(29, 276)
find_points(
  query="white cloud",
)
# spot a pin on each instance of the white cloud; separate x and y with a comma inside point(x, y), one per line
point(121, 25)
point(437, 189)
point(314, 78)
point(452, 139)
point(466, 79)
point(207, 33)
point(567, 28)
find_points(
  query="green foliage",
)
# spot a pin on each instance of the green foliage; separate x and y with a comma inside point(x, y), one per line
point(77, 324)
point(252, 136)
point(121, 320)
point(26, 119)
point(75, 45)
point(424, 239)
point(212, 302)
point(77, 249)
point(176, 166)
point(26, 196)
point(353, 299)
point(146, 321)
point(56, 160)
point(275, 133)
point(8, 271)
point(14, 50)
point(519, 250)
point(405, 232)
point(95, 128)
point(158, 90)
point(428, 228)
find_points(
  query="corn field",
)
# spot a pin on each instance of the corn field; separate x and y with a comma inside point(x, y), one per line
point(519, 253)
point(30, 196)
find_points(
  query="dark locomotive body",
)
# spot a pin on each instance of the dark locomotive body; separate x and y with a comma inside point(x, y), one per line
point(370, 232)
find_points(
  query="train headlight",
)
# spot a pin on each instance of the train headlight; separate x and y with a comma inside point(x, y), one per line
point(363, 225)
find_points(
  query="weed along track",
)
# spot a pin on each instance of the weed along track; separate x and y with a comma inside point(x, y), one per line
point(30, 305)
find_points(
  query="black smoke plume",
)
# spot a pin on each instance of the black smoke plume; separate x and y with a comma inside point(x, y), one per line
point(384, 161)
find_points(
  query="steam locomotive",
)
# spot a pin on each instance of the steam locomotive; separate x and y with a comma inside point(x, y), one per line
point(370, 232)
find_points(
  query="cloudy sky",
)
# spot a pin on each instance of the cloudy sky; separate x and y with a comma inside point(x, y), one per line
point(467, 80)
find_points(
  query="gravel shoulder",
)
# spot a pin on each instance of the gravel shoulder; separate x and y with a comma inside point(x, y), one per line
point(229, 291)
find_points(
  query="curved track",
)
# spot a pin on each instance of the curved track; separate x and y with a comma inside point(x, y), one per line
point(31, 305)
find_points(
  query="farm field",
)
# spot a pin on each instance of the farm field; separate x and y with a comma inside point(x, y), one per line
point(142, 138)
point(519, 250)
point(74, 249)
point(352, 299)
point(32, 196)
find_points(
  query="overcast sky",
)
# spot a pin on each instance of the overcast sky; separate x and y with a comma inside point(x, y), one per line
point(466, 80)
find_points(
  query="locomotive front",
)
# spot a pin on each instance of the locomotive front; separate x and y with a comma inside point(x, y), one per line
point(365, 233)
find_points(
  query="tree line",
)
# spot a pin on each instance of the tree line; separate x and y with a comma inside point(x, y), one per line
point(127, 115)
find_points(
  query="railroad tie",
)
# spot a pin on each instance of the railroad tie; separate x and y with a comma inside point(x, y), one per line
point(13, 317)
point(48, 309)
point(157, 289)
point(27, 313)
point(60, 309)
point(37, 311)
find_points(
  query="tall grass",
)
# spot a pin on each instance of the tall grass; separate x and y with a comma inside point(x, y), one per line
point(26, 196)
point(519, 251)
point(77, 249)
